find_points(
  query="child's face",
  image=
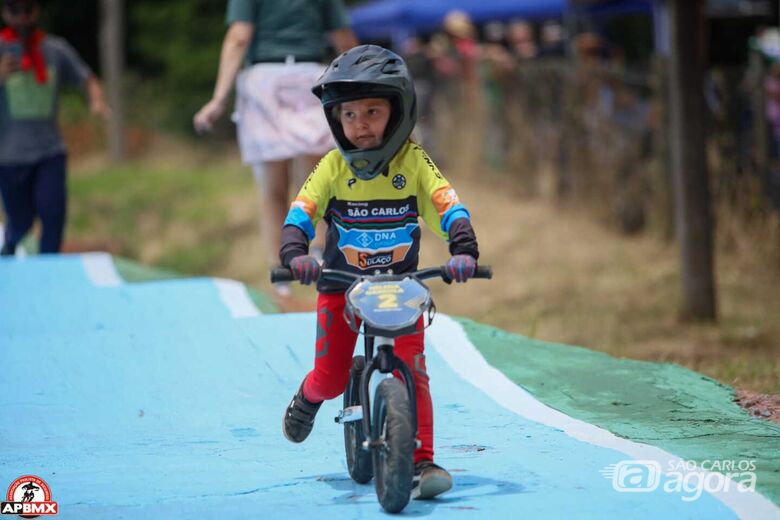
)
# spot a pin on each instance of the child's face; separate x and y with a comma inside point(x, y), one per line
point(364, 121)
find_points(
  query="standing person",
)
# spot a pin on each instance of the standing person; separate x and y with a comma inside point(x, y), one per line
point(772, 89)
point(370, 103)
point(281, 131)
point(34, 66)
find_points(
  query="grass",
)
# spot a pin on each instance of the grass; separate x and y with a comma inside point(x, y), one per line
point(173, 214)
point(559, 275)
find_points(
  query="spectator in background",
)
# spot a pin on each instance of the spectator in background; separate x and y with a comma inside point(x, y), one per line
point(34, 66)
point(497, 76)
point(525, 108)
point(282, 132)
point(551, 103)
point(456, 54)
point(522, 43)
point(419, 63)
point(463, 37)
point(551, 40)
point(772, 89)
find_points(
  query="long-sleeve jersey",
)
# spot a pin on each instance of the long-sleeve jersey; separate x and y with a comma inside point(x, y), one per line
point(373, 225)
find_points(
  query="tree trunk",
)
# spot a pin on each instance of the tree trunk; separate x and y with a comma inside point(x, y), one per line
point(112, 65)
point(693, 217)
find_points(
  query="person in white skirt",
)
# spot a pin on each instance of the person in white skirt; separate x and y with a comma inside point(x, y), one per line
point(282, 132)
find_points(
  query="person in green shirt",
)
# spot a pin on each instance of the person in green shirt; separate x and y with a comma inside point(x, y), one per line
point(273, 52)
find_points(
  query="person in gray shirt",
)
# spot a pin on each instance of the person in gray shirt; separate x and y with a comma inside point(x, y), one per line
point(34, 67)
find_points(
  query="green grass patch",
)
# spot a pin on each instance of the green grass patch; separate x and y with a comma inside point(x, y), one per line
point(173, 217)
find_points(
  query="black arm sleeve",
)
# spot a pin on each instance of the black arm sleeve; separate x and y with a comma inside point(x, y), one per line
point(463, 240)
point(294, 243)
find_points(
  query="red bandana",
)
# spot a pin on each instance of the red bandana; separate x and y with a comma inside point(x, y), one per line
point(31, 57)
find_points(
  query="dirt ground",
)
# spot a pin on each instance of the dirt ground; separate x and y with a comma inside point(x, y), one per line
point(761, 406)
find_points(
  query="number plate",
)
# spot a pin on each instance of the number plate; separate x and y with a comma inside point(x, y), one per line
point(390, 305)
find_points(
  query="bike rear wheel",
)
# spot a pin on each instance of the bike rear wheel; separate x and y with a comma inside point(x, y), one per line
point(359, 461)
point(393, 461)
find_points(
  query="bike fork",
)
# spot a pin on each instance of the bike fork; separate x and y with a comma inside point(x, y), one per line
point(384, 362)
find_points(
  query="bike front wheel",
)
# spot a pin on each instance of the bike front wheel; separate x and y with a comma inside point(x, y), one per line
point(393, 460)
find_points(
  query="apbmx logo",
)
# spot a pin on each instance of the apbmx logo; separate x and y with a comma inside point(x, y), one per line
point(28, 496)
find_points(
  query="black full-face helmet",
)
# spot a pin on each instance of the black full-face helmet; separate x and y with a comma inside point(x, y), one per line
point(369, 71)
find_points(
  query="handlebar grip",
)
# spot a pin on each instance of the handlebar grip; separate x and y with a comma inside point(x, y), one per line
point(484, 271)
point(281, 274)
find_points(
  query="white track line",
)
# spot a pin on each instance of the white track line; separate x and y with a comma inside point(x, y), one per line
point(451, 342)
point(101, 270)
point(236, 297)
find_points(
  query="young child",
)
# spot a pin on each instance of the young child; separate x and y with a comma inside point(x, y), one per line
point(371, 192)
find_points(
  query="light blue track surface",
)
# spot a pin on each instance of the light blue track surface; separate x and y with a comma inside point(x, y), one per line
point(150, 401)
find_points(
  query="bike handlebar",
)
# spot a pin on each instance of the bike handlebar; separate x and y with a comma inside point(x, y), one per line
point(284, 274)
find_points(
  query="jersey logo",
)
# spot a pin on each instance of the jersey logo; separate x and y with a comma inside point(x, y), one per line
point(399, 181)
point(367, 261)
point(374, 248)
point(350, 182)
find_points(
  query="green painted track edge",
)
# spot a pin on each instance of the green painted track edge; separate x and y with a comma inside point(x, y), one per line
point(662, 404)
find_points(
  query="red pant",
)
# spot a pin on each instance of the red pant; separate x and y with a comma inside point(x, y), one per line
point(333, 359)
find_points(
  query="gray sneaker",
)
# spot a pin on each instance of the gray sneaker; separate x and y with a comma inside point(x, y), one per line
point(429, 480)
point(299, 417)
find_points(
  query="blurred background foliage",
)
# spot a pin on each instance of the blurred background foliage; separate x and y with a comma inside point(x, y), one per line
point(172, 53)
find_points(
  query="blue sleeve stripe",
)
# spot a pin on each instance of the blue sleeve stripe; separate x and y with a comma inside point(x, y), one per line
point(454, 213)
point(298, 218)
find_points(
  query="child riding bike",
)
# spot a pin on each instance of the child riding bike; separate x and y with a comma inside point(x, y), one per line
point(370, 192)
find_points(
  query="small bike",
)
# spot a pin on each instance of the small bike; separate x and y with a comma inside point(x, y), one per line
point(380, 442)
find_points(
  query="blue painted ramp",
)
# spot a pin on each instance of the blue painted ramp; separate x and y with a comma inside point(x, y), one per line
point(154, 400)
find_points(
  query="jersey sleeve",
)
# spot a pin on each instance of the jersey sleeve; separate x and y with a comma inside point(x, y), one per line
point(438, 202)
point(309, 205)
point(240, 11)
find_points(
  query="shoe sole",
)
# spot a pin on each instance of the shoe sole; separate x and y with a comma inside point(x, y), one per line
point(284, 430)
point(432, 487)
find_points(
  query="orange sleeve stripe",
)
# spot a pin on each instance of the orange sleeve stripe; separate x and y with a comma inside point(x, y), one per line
point(307, 205)
point(444, 198)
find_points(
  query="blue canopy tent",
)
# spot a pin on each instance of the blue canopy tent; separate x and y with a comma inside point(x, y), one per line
point(395, 20)
point(617, 7)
